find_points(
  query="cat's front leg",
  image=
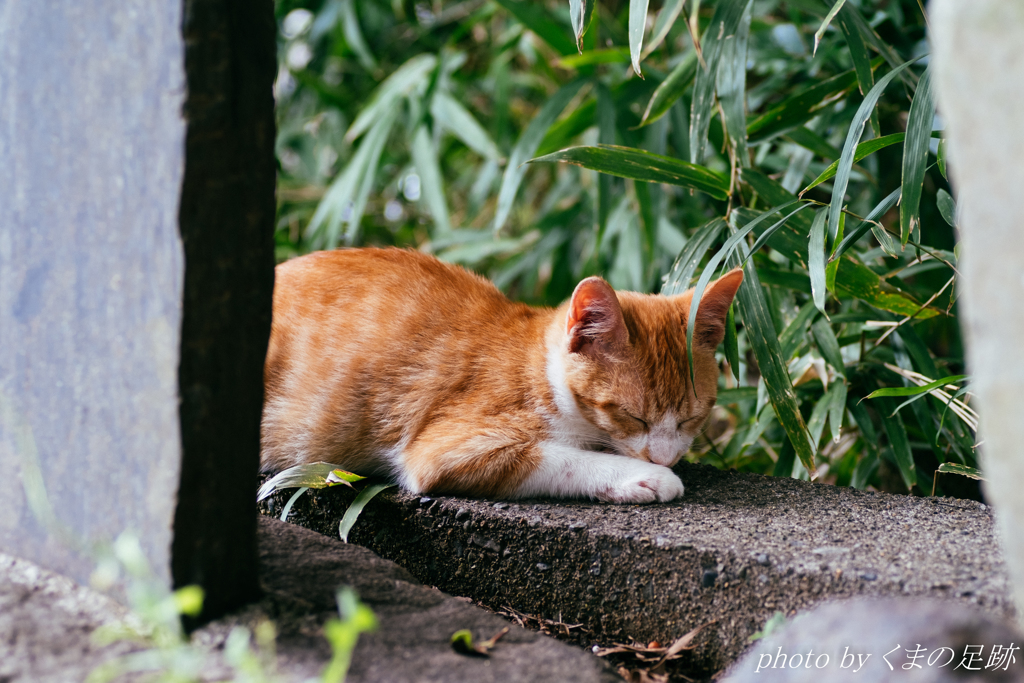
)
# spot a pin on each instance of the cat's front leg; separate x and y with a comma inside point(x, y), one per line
point(565, 471)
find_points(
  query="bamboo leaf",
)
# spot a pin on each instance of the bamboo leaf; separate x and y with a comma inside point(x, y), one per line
point(356, 508)
point(852, 278)
point(863, 150)
point(526, 146)
point(310, 475)
point(730, 396)
point(457, 120)
point(838, 392)
point(671, 89)
point(424, 156)
point(637, 24)
point(580, 13)
point(861, 59)
point(828, 345)
point(962, 470)
point(611, 55)
point(819, 415)
point(867, 224)
point(765, 343)
point(354, 37)
point(291, 501)
point(793, 336)
point(816, 259)
point(915, 157)
point(534, 16)
point(732, 87)
point(709, 271)
point(678, 279)
point(637, 164)
point(852, 137)
point(732, 347)
point(385, 98)
point(724, 24)
point(667, 16)
point(947, 207)
point(942, 158)
point(824, 25)
point(914, 391)
point(897, 434)
point(798, 109)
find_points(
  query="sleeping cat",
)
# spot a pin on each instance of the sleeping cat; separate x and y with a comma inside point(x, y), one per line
point(391, 362)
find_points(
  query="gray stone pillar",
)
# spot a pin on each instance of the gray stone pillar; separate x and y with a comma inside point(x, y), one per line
point(979, 75)
point(136, 268)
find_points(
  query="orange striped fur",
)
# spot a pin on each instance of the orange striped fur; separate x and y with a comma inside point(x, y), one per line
point(391, 362)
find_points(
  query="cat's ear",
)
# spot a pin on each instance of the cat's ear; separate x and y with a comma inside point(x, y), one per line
point(594, 322)
point(714, 307)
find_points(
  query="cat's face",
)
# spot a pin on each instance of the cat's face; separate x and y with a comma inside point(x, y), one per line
point(626, 365)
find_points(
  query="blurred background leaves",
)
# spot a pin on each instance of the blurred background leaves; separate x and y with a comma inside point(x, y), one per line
point(811, 123)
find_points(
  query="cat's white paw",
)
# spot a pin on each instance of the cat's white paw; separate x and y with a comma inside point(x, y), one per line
point(643, 482)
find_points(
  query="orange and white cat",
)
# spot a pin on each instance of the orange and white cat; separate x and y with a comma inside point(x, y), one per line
point(393, 363)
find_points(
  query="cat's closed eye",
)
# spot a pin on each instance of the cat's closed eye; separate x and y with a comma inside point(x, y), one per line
point(643, 423)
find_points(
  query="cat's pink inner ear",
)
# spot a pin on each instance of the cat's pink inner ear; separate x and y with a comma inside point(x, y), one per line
point(594, 316)
point(714, 307)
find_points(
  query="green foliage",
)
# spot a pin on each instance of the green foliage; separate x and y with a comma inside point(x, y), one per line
point(748, 111)
point(166, 653)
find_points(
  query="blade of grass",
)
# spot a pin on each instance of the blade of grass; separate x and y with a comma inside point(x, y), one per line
point(679, 276)
point(816, 259)
point(638, 164)
point(637, 24)
point(356, 508)
point(724, 23)
point(915, 157)
point(671, 89)
point(852, 138)
point(824, 25)
point(526, 146)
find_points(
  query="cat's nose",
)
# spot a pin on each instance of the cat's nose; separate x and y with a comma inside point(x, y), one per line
point(663, 453)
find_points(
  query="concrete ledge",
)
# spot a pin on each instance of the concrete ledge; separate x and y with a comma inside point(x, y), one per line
point(734, 550)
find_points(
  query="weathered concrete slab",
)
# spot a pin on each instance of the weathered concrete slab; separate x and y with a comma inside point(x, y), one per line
point(136, 274)
point(47, 622)
point(734, 550)
point(886, 641)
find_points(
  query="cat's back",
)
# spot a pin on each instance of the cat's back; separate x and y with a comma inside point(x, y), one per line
point(359, 335)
